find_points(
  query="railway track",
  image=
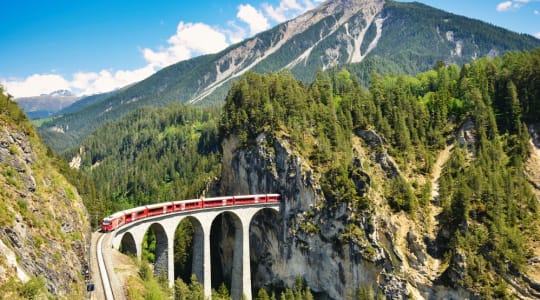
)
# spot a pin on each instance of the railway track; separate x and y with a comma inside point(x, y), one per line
point(107, 290)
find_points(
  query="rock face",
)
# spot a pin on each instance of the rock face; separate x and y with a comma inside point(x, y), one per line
point(43, 227)
point(286, 247)
point(336, 249)
point(467, 134)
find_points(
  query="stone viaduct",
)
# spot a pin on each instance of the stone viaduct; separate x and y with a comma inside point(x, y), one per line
point(130, 237)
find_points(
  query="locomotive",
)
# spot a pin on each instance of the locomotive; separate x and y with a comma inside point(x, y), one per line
point(120, 218)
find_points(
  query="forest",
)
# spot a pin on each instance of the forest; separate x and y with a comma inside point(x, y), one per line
point(489, 211)
point(152, 155)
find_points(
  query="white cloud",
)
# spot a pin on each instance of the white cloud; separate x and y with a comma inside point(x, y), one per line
point(288, 9)
point(513, 4)
point(536, 12)
point(311, 4)
point(274, 13)
point(537, 35)
point(255, 19)
point(291, 4)
point(82, 83)
point(106, 80)
point(34, 85)
point(190, 39)
point(279, 14)
point(235, 32)
point(504, 6)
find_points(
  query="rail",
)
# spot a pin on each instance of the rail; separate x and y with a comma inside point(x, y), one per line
point(103, 270)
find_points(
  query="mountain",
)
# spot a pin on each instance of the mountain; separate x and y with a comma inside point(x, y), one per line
point(61, 93)
point(45, 105)
point(83, 102)
point(395, 193)
point(149, 139)
point(424, 187)
point(366, 35)
point(44, 225)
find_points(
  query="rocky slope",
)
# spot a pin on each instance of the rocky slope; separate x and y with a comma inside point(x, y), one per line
point(43, 227)
point(336, 251)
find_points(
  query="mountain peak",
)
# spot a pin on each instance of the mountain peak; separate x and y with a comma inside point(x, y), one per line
point(367, 35)
point(62, 93)
point(351, 5)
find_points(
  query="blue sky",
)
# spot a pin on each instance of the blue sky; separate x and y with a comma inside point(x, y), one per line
point(99, 45)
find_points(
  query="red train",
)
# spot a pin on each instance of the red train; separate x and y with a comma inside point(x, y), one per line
point(120, 218)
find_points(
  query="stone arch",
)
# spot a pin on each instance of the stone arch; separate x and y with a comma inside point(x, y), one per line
point(265, 232)
point(128, 245)
point(197, 248)
point(226, 249)
point(162, 249)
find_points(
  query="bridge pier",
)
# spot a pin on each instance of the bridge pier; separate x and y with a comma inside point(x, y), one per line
point(197, 264)
point(237, 283)
point(207, 265)
point(162, 258)
point(170, 261)
point(246, 267)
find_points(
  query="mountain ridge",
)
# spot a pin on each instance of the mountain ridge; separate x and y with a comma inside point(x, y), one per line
point(45, 105)
point(420, 186)
point(384, 36)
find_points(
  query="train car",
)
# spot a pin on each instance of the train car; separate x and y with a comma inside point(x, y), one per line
point(229, 201)
point(118, 219)
point(192, 204)
point(247, 199)
point(156, 209)
point(272, 197)
point(112, 222)
point(136, 213)
point(217, 201)
point(169, 207)
point(178, 205)
point(261, 198)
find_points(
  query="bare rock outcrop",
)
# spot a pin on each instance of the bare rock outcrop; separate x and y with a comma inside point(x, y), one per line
point(43, 221)
point(310, 238)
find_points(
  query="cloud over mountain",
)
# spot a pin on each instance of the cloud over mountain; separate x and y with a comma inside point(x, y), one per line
point(189, 40)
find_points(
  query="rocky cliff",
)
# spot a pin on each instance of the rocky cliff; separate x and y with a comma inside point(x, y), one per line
point(43, 227)
point(337, 249)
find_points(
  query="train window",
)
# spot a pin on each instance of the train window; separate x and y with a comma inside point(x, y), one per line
point(106, 222)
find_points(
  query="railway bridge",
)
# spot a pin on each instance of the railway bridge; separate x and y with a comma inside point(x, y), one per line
point(129, 237)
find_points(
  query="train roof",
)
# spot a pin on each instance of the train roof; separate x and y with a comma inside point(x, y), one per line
point(115, 215)
point(217, 198)
point(189, 200)
point(255, 195)
point(156, 205)
point(248, 196)
point(135, 209)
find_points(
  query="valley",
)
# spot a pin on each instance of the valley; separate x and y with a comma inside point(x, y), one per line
point(402, 141)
